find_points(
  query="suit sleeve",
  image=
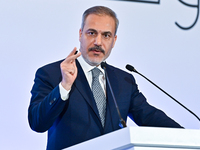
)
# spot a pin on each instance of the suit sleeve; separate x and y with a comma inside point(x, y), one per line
point(146, 115)
point(46, 104)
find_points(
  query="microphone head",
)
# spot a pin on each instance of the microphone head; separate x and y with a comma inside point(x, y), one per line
point(130, 68)
point(103, 65)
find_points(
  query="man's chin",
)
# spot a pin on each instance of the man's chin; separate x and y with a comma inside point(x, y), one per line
point(94, 63)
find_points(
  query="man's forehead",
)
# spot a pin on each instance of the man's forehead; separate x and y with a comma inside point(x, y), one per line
point(94, 21)
point(99, 16)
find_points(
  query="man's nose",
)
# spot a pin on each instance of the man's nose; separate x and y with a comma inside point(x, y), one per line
point(98, 40)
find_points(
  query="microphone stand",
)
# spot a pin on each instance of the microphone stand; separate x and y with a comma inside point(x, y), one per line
point(131, 68)
point(122, 122)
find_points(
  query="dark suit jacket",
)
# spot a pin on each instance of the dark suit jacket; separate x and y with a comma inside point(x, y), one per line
point(77, 119)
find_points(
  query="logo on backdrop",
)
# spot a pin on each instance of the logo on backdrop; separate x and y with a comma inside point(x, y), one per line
point(144, 1)
point(182, 2)
point(197, 16)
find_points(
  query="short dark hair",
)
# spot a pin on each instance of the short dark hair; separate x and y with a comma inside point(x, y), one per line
point(100, 10)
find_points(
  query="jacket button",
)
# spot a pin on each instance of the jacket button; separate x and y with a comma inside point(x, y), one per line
point(52, 101)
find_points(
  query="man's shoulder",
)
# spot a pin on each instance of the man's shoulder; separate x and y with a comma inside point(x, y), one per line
point(50, 68)
point(117, 70)
point(50, 72)
point(52, 64)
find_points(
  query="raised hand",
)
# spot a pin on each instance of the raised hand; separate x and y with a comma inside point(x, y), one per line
point(69, 70)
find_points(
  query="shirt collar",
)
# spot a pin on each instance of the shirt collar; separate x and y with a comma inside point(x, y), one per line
point(86, 67)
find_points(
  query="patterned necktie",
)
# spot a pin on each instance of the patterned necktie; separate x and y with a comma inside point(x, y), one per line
point(98, 94)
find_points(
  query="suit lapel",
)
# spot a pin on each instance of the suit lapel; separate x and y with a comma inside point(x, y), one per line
point(83, 87)
point(111, 113)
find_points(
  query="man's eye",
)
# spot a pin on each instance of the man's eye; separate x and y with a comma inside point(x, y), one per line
point(107, 35)
point(91, 33)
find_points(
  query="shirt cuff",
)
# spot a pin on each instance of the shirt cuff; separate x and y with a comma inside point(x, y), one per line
point(64, 94)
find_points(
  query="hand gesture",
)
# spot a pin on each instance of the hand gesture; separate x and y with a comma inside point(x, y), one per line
point(69, 69)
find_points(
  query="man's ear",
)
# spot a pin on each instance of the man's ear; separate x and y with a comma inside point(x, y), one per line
point(80, 34)
point(115, 39)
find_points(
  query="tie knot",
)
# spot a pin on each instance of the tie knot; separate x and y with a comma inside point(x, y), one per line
point(95, 72)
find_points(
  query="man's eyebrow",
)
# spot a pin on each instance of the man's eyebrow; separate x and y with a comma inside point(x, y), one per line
point(92, 30)
point(104, 32)
point(107, 32)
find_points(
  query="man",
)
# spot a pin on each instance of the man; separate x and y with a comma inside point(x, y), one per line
point(64, 100)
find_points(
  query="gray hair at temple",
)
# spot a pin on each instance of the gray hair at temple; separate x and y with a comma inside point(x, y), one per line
point(100, 10)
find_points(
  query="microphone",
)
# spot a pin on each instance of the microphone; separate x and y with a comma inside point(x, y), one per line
point(122, 123)
point(131, 68)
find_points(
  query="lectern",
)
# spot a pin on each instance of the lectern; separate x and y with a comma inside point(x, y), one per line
point(144, 138)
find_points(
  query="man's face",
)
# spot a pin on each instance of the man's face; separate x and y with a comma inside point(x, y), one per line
point(97, 38)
